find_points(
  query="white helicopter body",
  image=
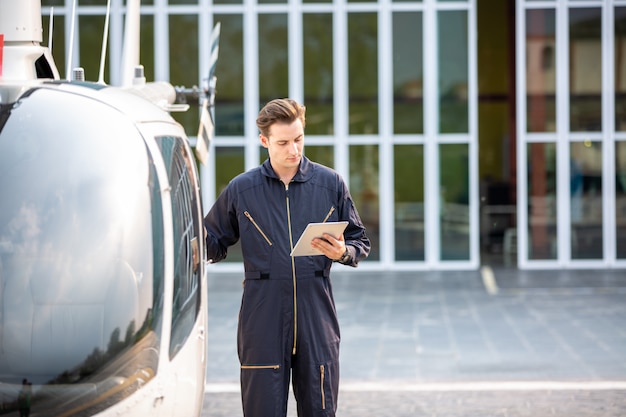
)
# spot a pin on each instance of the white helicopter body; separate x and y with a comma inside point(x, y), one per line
point(103, 299)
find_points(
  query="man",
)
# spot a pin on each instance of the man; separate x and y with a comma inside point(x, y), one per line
point(24, 398)
point(287, 322)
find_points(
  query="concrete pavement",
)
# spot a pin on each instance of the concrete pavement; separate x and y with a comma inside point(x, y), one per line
point(499, 342)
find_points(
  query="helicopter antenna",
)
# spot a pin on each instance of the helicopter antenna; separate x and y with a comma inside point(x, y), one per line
point(68, 70)
point(105, 38)
point(50, 28)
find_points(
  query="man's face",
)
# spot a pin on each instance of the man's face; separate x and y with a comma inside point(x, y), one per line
point(285, 145)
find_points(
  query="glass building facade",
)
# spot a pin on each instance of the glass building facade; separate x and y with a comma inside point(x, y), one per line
point(469, 131)
point(570, 133)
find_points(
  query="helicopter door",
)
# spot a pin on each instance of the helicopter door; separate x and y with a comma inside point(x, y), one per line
point(187, 343)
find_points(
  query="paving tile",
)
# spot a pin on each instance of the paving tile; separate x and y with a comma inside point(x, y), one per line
point(420, 329)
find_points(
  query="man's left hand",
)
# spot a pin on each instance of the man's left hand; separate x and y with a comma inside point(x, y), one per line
point(331, 246)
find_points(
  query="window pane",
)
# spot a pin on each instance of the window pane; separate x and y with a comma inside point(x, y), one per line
point(540, 71)
point(90, 33)
point(620, 68)
point(542, 242)
point(273, 60)
point(229, 113)
point(363, 73)
point(58, 40)
point(364, 191)
point(408, 76)
point(321, 154)
point(620, 198)
point(454, 197)
point(227, 2)
point(585, 47)
point(271, 1)
point(183, 38)
point(229, 162)
point(318, 73)
point(409, 202)
point(186, 230)
point(453, 72)
point(81, 254)
point(586, 199)
point(146, 50)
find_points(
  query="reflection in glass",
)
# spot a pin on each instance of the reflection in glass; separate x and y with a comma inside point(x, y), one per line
point(453, 72)
point(318, 73)
point(364, 190)
point(363, 73)
point(586, 199)
point(454, 198)
point(620, 198)
point(183, 49)
point(229, 113)
point(408, 76)
point(620, 68)
point(229, 162)
point(320, 154)
point(540, 70)
point(585, 69)
point(81, 254)
point(273, 57)
point(409, 202)
point(542, 242)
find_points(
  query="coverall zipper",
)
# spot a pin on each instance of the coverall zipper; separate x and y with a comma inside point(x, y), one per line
point(293, 273)
point(329, 213)
point(322, 373)
point(267, 239)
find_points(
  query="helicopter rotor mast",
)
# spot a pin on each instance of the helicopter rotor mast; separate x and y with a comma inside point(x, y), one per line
point(20, 25)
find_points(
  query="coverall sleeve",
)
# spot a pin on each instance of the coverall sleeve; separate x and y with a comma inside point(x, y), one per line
point(357, 242)
point(222, 227)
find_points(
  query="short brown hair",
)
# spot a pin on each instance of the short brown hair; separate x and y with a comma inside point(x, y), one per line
point(280, 110)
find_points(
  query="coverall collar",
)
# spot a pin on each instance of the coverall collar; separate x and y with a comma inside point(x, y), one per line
point(305, 170)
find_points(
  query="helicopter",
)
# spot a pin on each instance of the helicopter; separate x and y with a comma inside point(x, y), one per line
point(103, 294)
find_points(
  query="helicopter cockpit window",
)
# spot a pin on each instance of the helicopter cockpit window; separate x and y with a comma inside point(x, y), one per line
point(80, 277)
point(187, 227)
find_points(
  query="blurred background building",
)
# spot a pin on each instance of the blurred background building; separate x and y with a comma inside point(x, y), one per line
point(471, 132)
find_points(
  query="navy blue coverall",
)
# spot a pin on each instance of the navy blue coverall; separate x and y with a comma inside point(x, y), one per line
point(287, 321)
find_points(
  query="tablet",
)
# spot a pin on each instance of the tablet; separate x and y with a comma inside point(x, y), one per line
point(313, 230)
